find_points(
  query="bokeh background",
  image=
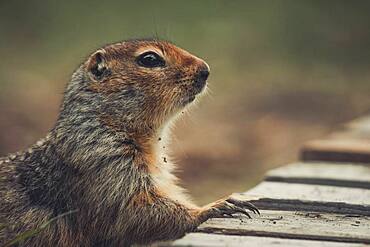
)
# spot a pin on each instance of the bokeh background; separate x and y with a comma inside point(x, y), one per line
point(282, 72)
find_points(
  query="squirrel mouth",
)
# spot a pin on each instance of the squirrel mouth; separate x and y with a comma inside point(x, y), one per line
point(197, 87)
point(191, 96)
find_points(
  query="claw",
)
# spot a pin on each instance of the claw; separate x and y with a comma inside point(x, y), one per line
point(236, 209)
point(244, 204)
point(251, 207)
point(247, 214)
point(227, 215)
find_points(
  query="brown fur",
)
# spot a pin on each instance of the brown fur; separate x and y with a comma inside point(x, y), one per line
point(104, 157)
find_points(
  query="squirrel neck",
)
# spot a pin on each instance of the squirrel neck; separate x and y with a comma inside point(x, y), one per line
point(86, 143)
point(88, 138)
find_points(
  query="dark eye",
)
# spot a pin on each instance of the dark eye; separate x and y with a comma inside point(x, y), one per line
point(150, 60)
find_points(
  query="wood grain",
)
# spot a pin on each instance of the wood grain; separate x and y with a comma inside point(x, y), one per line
point(217, 240)
point(296, 225)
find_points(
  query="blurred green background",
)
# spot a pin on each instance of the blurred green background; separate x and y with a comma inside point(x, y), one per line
point(282, 72)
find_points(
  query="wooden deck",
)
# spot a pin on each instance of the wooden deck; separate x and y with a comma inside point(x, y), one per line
point(323, 200)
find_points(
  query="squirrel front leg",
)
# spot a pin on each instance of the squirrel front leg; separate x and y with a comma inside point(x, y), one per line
point(154, 218)
point(151, 216)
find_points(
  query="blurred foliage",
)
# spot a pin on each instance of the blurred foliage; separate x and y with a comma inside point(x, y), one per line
point(282, 72)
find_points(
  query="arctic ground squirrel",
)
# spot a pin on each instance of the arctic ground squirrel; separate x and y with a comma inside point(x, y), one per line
point(103, 160)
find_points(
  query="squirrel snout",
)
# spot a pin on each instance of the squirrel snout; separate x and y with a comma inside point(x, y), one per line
point(203, 74)
point(203, 71)
point(201, 77)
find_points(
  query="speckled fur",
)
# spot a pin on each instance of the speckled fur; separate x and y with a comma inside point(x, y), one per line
point(104, 157)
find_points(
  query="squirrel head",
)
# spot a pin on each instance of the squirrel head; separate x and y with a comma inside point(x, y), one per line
point(136, 86)
point(143, 83)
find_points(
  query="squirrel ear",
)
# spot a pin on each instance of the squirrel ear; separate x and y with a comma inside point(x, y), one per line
point(97, 66)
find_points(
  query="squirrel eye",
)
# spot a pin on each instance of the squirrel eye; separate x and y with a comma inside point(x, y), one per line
point(150, 60)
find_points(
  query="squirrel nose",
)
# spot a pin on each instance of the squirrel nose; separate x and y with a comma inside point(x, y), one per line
point(203, 73)
point(201, 78)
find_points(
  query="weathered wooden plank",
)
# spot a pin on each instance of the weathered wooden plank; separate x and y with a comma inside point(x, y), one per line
point(320, 193)
point(344, 175)
point(216, 240)
point(336, 150)
point(296, 225)
point(303, 197)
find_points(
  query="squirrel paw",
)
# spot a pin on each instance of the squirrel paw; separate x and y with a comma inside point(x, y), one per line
point(226, 208)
